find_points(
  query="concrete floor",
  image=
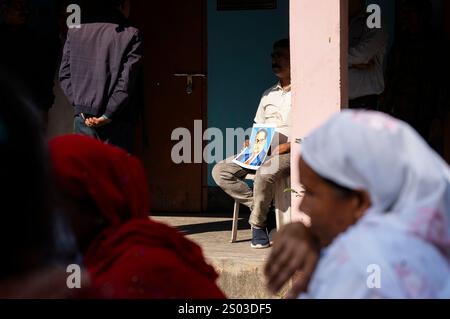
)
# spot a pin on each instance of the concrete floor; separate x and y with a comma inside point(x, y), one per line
point(240, 267)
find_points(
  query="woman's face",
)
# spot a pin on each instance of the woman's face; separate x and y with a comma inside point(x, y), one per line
point(331, 211)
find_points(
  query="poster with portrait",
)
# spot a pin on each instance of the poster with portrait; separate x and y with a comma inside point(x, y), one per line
point(253, 156)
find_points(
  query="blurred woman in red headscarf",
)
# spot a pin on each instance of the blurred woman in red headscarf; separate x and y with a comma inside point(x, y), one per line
point(128, 255)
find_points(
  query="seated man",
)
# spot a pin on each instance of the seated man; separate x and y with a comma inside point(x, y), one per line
point(275, 108)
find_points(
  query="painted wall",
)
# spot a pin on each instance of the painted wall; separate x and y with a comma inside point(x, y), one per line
point(239, 63)
point(239, 43)
point(319, 65)
point(319, 76)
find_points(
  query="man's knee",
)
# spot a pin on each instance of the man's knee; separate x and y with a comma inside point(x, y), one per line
point(219, 173)
point(264, 179)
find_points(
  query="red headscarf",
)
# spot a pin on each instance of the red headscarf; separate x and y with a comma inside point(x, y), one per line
point(133, 257)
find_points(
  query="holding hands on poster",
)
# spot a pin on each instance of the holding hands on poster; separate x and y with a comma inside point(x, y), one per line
point(254, 155)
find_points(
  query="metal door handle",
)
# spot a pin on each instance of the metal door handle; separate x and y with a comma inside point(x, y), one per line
point(189, 81)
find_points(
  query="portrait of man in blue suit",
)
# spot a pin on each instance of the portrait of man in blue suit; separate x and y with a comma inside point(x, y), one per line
point(256, 155)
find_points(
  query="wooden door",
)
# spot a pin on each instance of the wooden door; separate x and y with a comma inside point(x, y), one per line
point(175, 43)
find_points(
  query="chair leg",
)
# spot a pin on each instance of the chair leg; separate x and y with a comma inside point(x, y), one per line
point(278, 216)
point(235, 222)
point(282, 203)
point(278, 200)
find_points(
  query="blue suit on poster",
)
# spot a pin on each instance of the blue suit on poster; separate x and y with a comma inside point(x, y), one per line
point(256, 154)
point(257, 161)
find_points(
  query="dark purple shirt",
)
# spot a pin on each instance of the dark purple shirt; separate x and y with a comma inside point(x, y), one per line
point(99, 67)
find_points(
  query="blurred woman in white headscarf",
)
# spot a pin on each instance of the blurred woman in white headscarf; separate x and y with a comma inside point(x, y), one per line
point(379, 201)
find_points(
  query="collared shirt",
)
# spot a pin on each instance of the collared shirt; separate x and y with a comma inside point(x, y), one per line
point(275, 108)
point(366, 45)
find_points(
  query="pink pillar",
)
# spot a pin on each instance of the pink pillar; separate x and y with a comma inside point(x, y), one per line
point(319, 70)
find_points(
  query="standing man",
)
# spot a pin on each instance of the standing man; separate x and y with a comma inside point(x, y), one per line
point(98, 74)
point(367, 49)
point(275, 108)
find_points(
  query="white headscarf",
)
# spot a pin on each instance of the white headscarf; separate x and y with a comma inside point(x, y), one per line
point(406, 232)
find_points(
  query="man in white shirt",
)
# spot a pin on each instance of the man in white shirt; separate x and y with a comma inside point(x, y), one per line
point(274, 108)
point(366, 53)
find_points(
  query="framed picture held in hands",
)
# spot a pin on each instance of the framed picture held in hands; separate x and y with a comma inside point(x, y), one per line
point(253, 156)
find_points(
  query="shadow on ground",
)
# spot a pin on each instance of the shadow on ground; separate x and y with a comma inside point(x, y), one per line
point(211, 227)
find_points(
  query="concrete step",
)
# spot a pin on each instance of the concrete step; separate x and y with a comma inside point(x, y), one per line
point(239, 266)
